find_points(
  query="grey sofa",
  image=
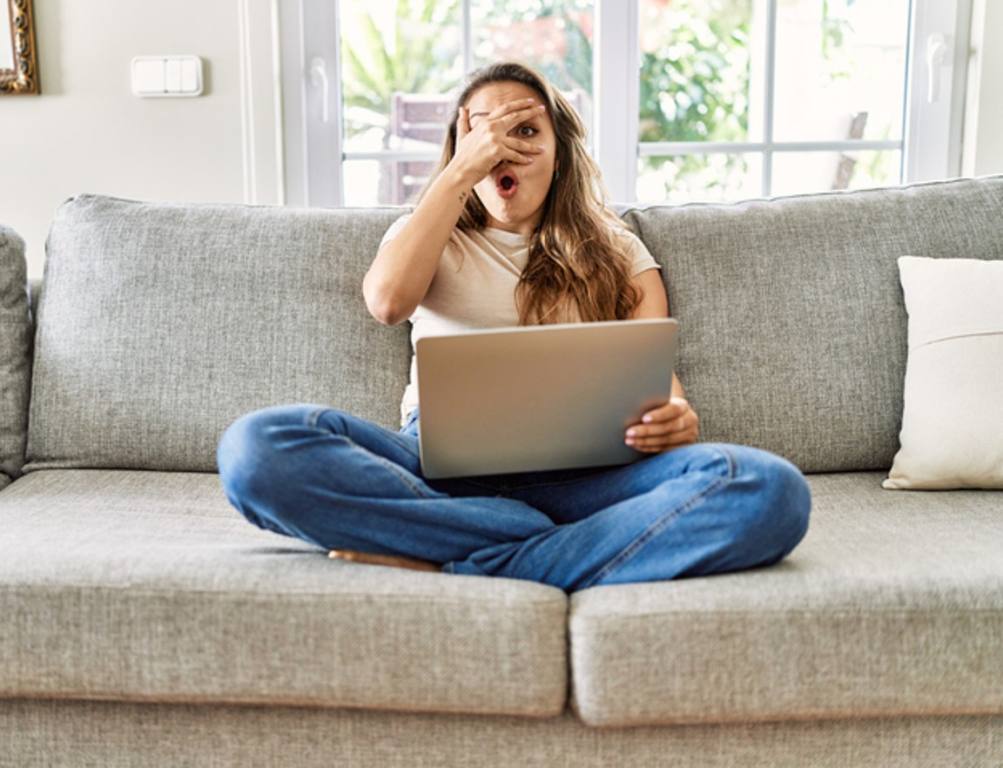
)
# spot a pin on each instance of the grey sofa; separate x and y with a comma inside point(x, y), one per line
point(145, 622)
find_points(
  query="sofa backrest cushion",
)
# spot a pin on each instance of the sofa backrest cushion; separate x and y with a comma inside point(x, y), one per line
point(792, 323)
point(160, 323)
point(15, 354)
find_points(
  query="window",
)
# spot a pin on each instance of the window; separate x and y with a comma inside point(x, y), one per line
point(684, 99)
point(402, 63)
point(746, 97)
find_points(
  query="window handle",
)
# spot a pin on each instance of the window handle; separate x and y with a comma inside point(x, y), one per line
point(936, 50)
point(318, 76)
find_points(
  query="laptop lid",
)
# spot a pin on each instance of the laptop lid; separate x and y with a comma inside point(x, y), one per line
point(533, 398)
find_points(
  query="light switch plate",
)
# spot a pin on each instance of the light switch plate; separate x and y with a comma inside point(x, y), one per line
point(160, 76)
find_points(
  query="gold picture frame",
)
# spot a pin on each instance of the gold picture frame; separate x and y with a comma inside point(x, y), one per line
point(18, 52)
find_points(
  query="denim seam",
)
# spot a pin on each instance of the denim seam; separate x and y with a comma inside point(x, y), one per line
point(661, 523)
point(395, 469)
point(497, 490)
point(314, 416)
point(406, 444)
point(311, 421)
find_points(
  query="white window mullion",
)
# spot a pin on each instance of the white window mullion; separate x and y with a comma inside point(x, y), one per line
point(771, 67)
point(936, 73)
point(737, 147)
point(904, 155)
point(312, 103)
point(467, 39)
point(616, 86)
point(295, 160)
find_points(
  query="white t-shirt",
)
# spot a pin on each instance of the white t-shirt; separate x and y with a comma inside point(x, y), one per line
point(474, 287)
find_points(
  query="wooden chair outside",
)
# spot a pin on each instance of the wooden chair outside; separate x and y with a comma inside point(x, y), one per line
point(844, 169)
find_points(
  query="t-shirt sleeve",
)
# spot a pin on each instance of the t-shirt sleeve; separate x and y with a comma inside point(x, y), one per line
point(641, 258)
point(394, 229)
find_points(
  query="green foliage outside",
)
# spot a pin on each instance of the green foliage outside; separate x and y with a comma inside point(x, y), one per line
point(695, 87)
point(694, 82)
point(409, 60)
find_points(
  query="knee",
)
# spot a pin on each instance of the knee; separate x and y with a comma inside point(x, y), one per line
point(250, 443)
point(778, 521)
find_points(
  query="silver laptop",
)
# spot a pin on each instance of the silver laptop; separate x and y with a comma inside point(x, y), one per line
point(533, 398)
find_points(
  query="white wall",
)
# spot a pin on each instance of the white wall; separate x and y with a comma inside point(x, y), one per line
point(982, 147)
point(86, 132)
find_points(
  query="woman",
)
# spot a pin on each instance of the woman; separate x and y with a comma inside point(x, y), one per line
point(512, 228)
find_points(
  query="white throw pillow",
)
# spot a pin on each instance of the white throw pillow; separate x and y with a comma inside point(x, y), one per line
point(952, 421)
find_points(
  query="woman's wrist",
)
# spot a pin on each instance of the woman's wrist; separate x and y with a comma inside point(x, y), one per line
point(459, 180)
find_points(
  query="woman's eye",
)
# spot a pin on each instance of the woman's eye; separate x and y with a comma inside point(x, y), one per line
point(529, 127)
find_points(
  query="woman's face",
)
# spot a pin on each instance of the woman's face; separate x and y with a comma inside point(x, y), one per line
point(520, 209)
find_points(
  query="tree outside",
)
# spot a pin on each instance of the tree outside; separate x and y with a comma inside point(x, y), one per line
point(694, 80)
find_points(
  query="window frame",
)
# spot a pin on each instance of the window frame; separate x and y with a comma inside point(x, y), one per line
point(312, 120)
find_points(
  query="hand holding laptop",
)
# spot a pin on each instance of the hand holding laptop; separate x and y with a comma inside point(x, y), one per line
point(669, 425)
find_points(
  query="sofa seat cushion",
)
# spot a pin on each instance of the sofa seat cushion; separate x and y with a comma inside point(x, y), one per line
point(148, 586)
point(891, 605)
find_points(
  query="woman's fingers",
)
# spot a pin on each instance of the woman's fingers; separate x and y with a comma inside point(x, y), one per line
point(512, 118)
point(518, 157)
point(492, 143)
point(521, 151)
point(657, 430)
point(511, 106)
point(658, 436)
point(525, 147)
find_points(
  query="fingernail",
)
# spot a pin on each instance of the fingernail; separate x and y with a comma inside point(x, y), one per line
point(646, 418)
point(631, 433)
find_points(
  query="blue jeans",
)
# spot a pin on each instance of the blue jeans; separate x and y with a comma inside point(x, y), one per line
point(341, 482)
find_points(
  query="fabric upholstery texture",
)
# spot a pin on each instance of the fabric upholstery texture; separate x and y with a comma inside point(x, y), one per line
point(952, 422)
point(263, 304)
point(792, 325)
point(890, 605)
point(160, 323)
point(70, 734)
point(875, 642)
point(15, 354)
point(149, 586)
point(34, 288)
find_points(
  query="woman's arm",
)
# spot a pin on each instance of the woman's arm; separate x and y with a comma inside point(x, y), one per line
point(402, 271)
point(654, 304)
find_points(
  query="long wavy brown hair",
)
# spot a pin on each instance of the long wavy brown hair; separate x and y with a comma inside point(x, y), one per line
point(578, 253)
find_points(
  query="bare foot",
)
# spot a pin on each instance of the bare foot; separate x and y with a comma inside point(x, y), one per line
point(371, 558)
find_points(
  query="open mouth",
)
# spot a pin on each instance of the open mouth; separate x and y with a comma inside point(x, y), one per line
point(507, 184)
